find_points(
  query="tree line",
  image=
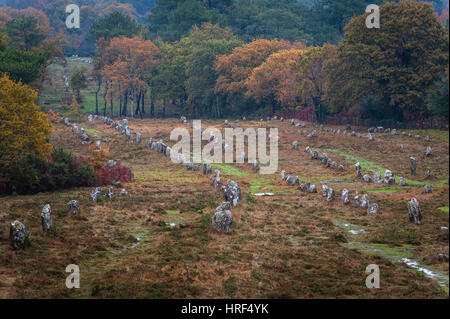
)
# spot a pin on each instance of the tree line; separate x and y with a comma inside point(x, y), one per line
point(399, 71)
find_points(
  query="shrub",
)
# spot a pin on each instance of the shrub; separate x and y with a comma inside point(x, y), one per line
point(108, 174)
point(33, 174)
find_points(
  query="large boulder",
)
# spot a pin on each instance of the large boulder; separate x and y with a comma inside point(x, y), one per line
point(222, 218)
point(415, 214)
point(17, 235)
point(46, 218)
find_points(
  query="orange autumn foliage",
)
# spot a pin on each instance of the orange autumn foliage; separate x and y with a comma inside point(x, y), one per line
point(127, 64)
point(276, 79)
point(234, 69)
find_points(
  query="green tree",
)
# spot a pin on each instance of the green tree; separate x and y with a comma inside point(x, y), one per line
point(398, 63)
point(438, 99)
point(23, 33)
point(78, 81)
point(25, 66)
point(114, 25)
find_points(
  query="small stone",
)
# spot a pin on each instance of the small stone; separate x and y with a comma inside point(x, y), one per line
point(366, 178)
point(428, 189)
point(401, 181)
point(389, 177)
point(325, 190)
point(429, 151)
point(295, 145)
point(313, 189)
point(412, 164)
point(291, 180)
point(358, 169)
point(364, 201)
point(330, 196)
point(123, 192)
point(110, 193)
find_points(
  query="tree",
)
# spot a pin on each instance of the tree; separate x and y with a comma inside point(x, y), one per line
point(23, 128)
point(114, 25)
point(78, 81)
point(24, 33)
point(274, 81)
point(129, 64)
point(312, 77)
point(21, 65)
point(437, 100)
point(397, 63)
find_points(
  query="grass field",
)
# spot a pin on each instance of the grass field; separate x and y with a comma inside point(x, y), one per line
point(158, 242)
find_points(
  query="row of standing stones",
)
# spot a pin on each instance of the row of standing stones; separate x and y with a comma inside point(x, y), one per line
point(222, 218)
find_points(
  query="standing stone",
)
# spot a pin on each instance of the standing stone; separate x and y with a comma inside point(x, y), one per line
point(389, 177)
point(364, 201)
point(428, 173)
point(428, 189)
point(291, 180)
point(232, 192)
point(216, 179)
point(330, 196)
point(305, 187)
point(95, 193)
point(138, 138)
point(283, 175)
point(356, 202)
point(207, 169)
point(367, 179)
point(358, 169)
point(429, 151)
point(341, 168)
point(412, 164)
point(426, 139)
point(373, 209)
point(17, 235)
point(74, 207)
point(75, 129)
point(401, 181)
point(222, 218)
point(325, 190)
point(313, 189)
point(46, 218)
point(295, 145)
point(415, 214)
point(123, 192)
point(344, 197)
point(110, 193)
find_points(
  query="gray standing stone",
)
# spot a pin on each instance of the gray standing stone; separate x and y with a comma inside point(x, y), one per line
point(358, 169)
point(295, 145)
point(291, 180)
point(389, 177)
point(207, 169)
point(138, 138)
point(110, 193)
point(415, 214)
point(95, 193)
point(344, 198)
point(123, 192)
point(428, 189)
point(216, 179)
point(356, 202)
point(401, 181)
point(75, 129)
point(46, 218)
point(313, 189)
point(429, 151)
point(283, 175)
point(331, 195)
point(17, 235)
point(325, 190)
point(222, 218)
point(373, 209)
point(367, 179)
point(426, 139)
point(232, 192)
point(364, 202)
point(341, 168)
point(74, 207)
point(412, 164)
